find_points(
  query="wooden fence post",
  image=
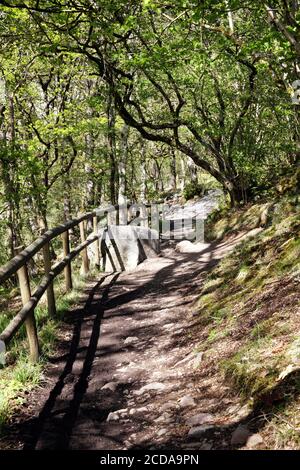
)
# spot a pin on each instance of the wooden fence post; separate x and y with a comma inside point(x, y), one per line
point(67, 270)
point(85, 259)
point(30, 322)
point(50, 290)
point(96, 244)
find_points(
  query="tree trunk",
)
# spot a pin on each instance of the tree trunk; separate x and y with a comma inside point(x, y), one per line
point(143, 172)
point(67, 199)
point(111, 140)
point(122, 175)
point(182, 175)
point(157, 175)
point(237, 193)
point(89, 197)
point(192, 170)
point(173, 170)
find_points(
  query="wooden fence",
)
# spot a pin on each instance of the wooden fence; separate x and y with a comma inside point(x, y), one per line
point(19, 266)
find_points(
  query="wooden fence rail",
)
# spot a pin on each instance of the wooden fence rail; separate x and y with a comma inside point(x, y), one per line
point(18, 266)
point(34, 299)
point(25, 255)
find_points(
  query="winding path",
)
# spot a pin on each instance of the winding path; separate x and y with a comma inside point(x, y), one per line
point(125, 370)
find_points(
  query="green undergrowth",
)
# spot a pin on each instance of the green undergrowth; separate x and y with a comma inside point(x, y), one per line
point(19, 375)
point(249, 307)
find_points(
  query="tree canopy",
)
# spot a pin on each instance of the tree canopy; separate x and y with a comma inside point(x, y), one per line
point(105, 99)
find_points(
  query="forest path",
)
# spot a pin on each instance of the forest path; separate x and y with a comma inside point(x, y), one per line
point(130, 335)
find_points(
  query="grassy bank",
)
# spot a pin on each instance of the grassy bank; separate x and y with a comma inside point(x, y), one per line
point(249, 315)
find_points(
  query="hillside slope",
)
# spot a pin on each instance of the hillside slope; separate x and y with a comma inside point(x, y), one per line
point(248, 319)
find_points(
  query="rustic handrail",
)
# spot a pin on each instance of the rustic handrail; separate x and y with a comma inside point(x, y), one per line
point(18, 265)
point(25, 255)
point(19, 319)
point(12, 266)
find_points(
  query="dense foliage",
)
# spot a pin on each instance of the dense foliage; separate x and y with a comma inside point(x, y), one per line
point(101, 100)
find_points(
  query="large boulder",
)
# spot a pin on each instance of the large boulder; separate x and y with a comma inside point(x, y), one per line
point(123, 247)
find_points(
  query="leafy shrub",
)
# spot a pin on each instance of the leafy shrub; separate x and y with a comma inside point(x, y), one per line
point(192, 189)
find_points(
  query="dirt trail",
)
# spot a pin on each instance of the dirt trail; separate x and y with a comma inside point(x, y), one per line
point(131, 335)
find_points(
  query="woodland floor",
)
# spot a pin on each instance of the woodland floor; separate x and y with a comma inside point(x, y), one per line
point(148, 375)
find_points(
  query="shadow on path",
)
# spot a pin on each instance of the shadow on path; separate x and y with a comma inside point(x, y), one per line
point(74, 407)
point(93, 309)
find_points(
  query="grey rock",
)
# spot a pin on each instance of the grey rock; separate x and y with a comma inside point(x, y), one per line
point(143, 409)
point(240, 435)
point(127, 444)
point(195, 360)
point(125, 246)
point(187, 401)
point(164, 418)
point(113, 416)
point(169, 326)
point(198, 359)
point(130, 340)
point(206, 446)
point(233, 409)
point(110, 386)
point(178, 332)
point(198, 431)
point(167, 406)
point(169, 420)
point(123, 412)
point(254, 440)
point(162, 432)
point(158, 386)
point(199, 419)
point(186, 359)
point(243, 412)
